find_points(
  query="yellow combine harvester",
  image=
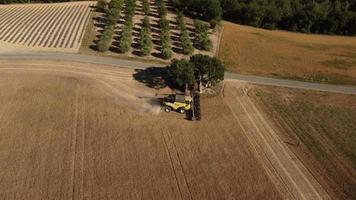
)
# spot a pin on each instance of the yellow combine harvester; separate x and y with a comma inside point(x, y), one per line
point(179, 103)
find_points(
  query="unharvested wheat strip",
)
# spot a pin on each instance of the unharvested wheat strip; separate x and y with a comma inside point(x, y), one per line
point(13, 25)
point(7, 16)
point(69, 22)
point(85, 22)
point(27, 29)
point(14, 16)
point(69, 31)
point(10, 29)
point(61, 27)
point(79, 28)
point(6, 11)
point(18, 31)
point(33, 32)
point(48, 26)
point(56, 26)
point(14, 30)
point(43, 27)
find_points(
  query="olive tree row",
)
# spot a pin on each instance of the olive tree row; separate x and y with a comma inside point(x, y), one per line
point(145, 37)
point(184, 35)
point(166, 49)
point(112, 11)
point(202, 38)
point(125, 41)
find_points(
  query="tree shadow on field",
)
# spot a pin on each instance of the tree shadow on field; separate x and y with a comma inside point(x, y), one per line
point(153, 77)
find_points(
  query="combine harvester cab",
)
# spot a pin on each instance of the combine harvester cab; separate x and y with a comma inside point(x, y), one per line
point(179, 103)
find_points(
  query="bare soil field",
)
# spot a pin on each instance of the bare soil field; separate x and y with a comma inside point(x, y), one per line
point(315, 58)
point(44, 27)
point(97, 23)
point(74, 131)
point(320, 129)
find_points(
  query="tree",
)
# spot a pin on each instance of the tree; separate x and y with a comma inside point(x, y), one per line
point(181, 72)
point(101, 6)
point(202, 35)
point(105, 39)
point(145, 37)
point(146, 7)
point(207, 70)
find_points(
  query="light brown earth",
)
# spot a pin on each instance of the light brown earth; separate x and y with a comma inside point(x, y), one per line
point(307, 57)
point(74, 131)
point(44, 27)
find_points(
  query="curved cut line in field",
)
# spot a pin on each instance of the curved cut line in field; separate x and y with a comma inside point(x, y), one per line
point(48, 27)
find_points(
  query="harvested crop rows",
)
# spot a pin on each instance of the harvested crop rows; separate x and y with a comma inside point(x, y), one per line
point(57, 26)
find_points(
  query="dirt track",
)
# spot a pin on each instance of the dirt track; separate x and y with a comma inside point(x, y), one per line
point(75, 131)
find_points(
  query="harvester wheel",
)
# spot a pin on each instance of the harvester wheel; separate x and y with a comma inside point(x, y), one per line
point(167, 109)
point(181, 111)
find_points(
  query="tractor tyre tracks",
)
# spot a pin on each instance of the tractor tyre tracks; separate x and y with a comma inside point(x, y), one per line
point(78, 144)
point(288, 174)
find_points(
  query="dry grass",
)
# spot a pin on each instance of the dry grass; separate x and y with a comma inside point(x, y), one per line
point(315, 58)
point(324, 124)
point(72, 130)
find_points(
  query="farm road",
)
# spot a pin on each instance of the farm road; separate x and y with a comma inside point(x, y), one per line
point(16, 55)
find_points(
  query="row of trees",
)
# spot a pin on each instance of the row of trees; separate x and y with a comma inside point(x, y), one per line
point(145, 35)
point(318, 16)
point(125, 40)
point(204, 70)
point(166, 46)
point(112, 11)
point(202, 35)
point(184, 35)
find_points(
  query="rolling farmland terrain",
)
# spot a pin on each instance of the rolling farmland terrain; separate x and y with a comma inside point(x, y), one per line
point(320, 123)
point(99, 141)
point(306, 57)
point(44, 27)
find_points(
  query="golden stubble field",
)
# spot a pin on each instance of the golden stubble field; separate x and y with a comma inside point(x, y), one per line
point(306, 57)
point(72, 130)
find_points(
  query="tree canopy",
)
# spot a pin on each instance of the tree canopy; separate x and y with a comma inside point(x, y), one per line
point(204, 69)
point(317, 16)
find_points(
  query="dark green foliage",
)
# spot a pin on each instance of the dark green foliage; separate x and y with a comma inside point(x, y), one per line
point(162, 9)
point(101, 6)
point(320, 16)
point(166, 46)
point(201, 68)
point(105, 39)
point(166, 50)
point(164, 24)
point(125, 41)
point(181, 73)
point(202, 35)
point(145, 37)
point(208, 70)
point(112, 15)
point(146, 7)
point(206, 9)
point(184, 35)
